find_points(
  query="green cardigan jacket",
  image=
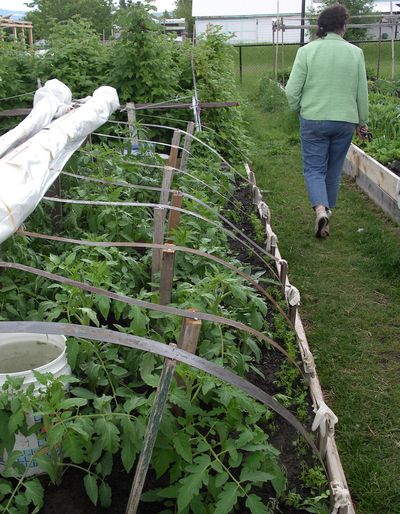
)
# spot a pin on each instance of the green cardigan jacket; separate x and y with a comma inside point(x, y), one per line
point(328, 81)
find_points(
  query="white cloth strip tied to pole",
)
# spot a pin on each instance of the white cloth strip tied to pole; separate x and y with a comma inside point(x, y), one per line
point(324, 419)
point(309, 363)
point(264, 211)
point(28, 171)
point(341, 497)
point(50, 101)
point(293, 296)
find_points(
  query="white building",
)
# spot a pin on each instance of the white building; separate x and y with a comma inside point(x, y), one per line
point(251, 21)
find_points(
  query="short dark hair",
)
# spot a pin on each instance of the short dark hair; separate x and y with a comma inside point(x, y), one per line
point(332, 19)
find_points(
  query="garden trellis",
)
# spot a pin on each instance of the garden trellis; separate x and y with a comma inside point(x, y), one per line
point(167, 220)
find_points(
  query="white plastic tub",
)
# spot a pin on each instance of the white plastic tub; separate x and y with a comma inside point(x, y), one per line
point(20, 354)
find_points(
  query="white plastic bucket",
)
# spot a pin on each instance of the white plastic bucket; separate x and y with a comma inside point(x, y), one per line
point(17, 351)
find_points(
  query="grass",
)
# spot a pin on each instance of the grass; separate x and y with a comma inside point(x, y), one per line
point(259, 60)
point(350, 307)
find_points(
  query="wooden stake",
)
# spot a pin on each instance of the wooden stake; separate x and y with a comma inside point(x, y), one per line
point(168, 177)
point(283, 275)
point(173, 156)
point(187, 145)
point(167, 275)
point(150, 437)
point(174, 216)
point(189, 336)
point(158, 238)
point(131, 110)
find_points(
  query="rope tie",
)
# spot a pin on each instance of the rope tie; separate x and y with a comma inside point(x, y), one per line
point(324, 418)
point(341, 495)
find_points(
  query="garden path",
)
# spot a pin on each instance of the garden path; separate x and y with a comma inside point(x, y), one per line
point(350, 307)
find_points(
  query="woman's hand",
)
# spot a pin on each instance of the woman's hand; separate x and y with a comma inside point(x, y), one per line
point(361, 130)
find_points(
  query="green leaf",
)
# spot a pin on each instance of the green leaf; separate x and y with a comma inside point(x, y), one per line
point(104, 305)
point(133, 403)
point(182, 446)
point(47, 465)
point(227, 498)
point(91, 487)
point(72, 447)
point(82, 392)
point(55, 434)
point(5, 488)
point(256, 476)
point(34, 491)
point(7, 437)
point(69, 403)
point(192, 483)
point(256, 506)
point(105, 495)
point(108, 434)
point(221, 478)
point(146, 369)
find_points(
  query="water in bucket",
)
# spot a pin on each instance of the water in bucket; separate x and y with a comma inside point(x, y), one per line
point(26, 355)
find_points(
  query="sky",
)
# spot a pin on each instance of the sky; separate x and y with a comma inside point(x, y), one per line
point(19, 5)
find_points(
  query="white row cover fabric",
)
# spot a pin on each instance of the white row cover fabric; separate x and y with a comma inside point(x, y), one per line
point(28, 171)
point(50, 101)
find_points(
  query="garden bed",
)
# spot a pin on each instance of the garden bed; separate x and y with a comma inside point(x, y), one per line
point(112, 379)
point(380, 183)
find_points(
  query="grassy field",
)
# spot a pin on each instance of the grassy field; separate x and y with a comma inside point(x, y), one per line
point(259, 60)
point(350, 303)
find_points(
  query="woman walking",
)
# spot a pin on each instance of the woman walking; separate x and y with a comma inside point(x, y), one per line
point(328, 88)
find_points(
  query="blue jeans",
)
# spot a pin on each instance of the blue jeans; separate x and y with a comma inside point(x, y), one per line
point(324, 146)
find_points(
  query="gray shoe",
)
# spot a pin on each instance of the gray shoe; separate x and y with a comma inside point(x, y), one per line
point(322, 225)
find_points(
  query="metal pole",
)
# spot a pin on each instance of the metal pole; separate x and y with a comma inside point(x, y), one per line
point(391, 16)
point(303, 14)
point(240, 65)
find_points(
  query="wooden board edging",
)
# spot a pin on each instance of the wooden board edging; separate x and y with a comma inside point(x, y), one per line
point(377, 181)
point(332, 458)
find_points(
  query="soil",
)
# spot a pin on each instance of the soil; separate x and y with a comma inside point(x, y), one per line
point(70, 496)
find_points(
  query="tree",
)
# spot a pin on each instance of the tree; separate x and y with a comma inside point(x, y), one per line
point(143, 67)
point(47, 13)
point(183, 9)
point(355, 8)
point(77, 57)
